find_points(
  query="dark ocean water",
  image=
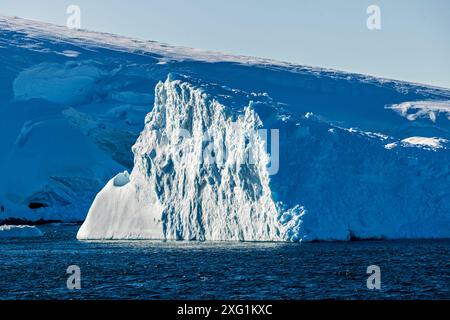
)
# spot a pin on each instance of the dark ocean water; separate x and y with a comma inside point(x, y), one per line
point(36, 269)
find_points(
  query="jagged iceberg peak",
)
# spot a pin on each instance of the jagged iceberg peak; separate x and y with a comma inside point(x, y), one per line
point(200, 173)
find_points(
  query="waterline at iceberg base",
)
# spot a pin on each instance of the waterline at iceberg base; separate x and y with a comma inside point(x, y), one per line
point(331, 183)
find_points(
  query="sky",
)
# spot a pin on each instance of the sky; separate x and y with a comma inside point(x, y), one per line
point(413, 43)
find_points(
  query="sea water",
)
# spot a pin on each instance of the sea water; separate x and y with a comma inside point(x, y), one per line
point(37, 269)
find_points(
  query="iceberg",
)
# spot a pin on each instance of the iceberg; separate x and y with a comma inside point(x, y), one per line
point(175, 190)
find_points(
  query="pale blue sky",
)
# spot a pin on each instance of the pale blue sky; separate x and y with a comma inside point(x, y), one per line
point(413, 44)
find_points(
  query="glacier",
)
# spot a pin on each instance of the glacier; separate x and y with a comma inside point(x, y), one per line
point(360, 157)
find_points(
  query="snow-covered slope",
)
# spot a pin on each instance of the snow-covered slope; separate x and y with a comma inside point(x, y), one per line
point(359, 156)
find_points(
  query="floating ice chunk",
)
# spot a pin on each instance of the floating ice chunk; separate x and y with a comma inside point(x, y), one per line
point(19, 232)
